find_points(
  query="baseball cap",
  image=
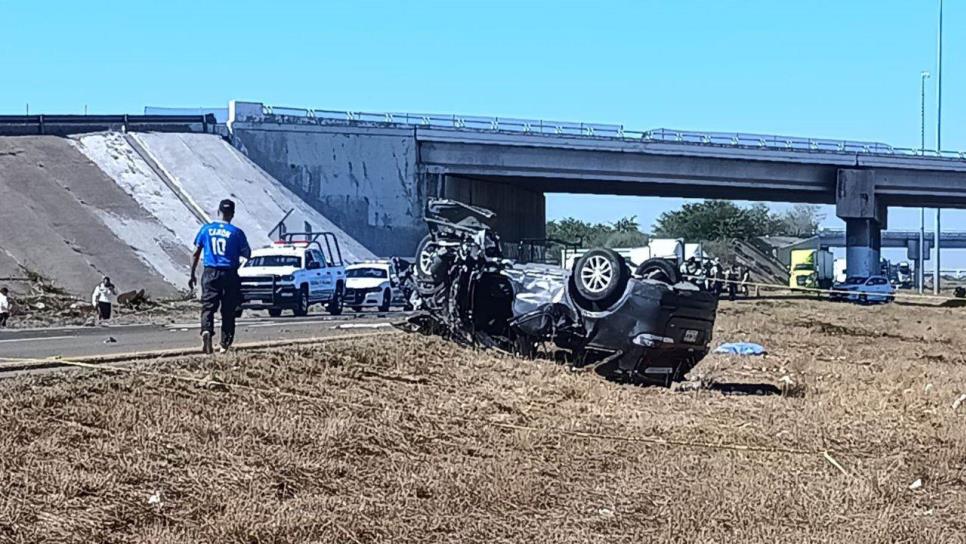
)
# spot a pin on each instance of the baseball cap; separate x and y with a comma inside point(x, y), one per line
point(227, 206)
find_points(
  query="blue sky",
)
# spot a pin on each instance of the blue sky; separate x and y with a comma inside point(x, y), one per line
point(815, 68)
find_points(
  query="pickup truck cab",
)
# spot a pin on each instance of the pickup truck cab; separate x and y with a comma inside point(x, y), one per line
point(294, 273)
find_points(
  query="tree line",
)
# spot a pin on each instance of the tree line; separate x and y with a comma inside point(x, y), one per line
point(708, 220)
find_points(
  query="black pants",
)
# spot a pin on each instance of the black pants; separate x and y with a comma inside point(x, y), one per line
point(104, 311)
point(220, 287)
point(3, 319)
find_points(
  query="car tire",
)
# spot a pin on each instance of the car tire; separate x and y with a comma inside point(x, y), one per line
point(274, 312)
point(659, 270)
point(598, 279)
point(303, 303)
point(424, 259)
point(386, 299)
point(239, 312)
point(334, 307)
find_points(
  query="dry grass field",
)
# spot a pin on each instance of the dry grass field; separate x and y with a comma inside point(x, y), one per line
point(404, 438)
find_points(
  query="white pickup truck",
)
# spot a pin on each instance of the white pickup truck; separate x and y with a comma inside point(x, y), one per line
point(302, 269)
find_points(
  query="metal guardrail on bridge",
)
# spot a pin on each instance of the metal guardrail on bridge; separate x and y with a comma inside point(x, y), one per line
point(20, 125)
point(598, 130)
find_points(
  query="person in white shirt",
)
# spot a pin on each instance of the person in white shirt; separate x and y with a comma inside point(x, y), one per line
point(4, 307)
point(103, 298)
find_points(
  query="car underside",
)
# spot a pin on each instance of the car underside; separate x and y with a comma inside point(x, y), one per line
point(643, 326)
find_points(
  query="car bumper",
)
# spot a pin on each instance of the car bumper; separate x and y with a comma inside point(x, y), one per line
point(267, 298)
point(363, 298)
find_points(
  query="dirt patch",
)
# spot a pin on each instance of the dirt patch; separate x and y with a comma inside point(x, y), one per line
point(411, 439)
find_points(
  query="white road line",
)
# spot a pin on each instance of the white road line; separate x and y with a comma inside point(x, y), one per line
point(39, 338)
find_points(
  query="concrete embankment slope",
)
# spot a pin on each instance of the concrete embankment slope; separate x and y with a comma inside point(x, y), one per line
point(205, 169)
point(63, 217)
point(129, 205)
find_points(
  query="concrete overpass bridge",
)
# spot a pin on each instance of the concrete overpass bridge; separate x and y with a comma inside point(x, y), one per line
point(372, 172)
point(907, 239)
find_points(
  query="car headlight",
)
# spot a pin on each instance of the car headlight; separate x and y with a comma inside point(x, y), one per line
point(287, 278)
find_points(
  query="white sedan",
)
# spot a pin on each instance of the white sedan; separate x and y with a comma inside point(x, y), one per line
point(371, 285)
point(861, 289)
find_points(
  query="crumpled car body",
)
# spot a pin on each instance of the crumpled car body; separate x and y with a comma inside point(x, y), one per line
point(643, 326)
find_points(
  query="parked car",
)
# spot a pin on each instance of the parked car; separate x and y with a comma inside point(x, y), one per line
point(644, 325)
point(302, 269)
point(374, 284)
point(862, 289)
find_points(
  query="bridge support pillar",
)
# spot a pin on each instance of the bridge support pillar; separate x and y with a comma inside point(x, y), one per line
point(863, 239)
point(864, 216)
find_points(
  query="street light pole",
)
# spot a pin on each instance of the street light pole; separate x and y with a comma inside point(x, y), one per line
point(939, 140)
point(921, 265)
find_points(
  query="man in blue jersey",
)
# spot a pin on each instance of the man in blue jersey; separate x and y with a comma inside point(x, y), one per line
point(223, 244)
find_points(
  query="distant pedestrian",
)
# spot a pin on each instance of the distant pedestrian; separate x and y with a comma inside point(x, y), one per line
point(223, 245)
point(103, 299)
point(4, 307)
point(745, 279)
point(731, 277)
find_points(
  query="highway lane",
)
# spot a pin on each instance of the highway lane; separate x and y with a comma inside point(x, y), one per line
point(68, 342)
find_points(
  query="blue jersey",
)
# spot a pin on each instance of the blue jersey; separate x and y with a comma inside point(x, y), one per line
point(222, 244)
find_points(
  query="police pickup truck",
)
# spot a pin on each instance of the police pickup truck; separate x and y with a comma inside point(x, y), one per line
point(301, 269)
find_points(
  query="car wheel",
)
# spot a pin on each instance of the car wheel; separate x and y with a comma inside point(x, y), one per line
point(598, 279)
point(334, 307)
point(274, 312)
point(303, 302)
point(659, 270)
point(863, 298)
point(424, 259)
point(386, 298)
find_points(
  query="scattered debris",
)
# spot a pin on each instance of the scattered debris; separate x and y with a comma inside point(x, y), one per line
point(211, 384)
point(110, 340)
point(741, 348)
point(155, 499)
point(134, 299)
point(915, 485)
point(958, 402)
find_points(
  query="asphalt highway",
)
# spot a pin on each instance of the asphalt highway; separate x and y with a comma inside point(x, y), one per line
point(68, 342)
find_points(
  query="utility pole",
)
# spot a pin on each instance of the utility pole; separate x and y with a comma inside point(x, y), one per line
point(921, 265)
point(939, 142)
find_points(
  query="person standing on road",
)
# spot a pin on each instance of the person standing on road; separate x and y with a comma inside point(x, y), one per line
point(4, 307)
point(745, 278)
point(223, 245)
point(102, 299)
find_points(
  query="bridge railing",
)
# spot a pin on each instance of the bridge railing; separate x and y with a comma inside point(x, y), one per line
point(600, 130)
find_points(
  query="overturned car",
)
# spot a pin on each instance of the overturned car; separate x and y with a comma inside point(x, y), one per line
point(643, 325)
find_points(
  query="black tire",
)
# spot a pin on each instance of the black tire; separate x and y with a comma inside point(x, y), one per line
point(334, 307)
point(386, 299)
point(659, 270)
point(424, 252)
point(598, 279)
point(303, 303)
point(274, 312)
point(239, 312)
